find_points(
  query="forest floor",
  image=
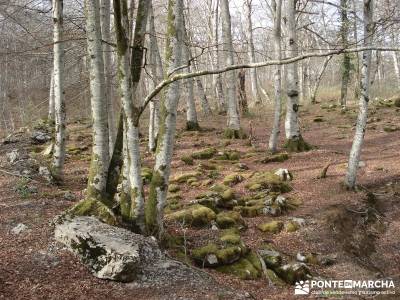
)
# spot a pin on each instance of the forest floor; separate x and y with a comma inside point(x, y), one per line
point(358, 232)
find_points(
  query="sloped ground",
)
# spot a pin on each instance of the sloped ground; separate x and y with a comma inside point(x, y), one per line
point(358, 231)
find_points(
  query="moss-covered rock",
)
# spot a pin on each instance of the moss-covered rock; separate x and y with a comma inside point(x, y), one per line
point(272, 258)
point(92, 207)
point(233, 179)
point(206, 167)
point(229, 219)
point(213, 255)
point(291, 226)
point(248, 267)
point(271, 227)
point(267, 180)
point(228, 194)
point(196, 215)
point(279, 157)
point(272, 277)
point(185, 177)
point(173, 188)
point(219, 188)
point(293, 272)
point(228, 155)
point(204, 154)
point(187, 159)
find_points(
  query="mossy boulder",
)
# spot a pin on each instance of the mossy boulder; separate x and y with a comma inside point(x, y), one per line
point(228, 155)
point(267, 180)
point(173, 188)
point(233, 179)
point(204, 154)
point(271, 227)
point(95, 208)
point(272, 258)
point(185, 177)
point(247, 268)
point(293, 272)
point(228, 194)
point(294, 224)
point(216, 201)
point(187, 159)
point(234, 134)
point(206, 167)
point(229, 219)
point(280, 157)
point(219, 188)
point(272, 277)
point(196, 215)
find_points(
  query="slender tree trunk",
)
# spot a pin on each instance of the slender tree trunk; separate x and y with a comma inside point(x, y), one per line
point(159, 184)
point(129, 78)
point(157, 74)
point(344, 32)
point(357, 64)
point(321, 72)
point(52, 108)
point(233, 130)
point(242, 92)
point(105, 11)
point(364, 99)
point(205, 106)
point(294, 140)
point(98, 172)
point(252, 55)
point(58, 72)
point(273, 140)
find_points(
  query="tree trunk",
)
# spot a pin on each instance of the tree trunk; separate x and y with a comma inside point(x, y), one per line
point(233, 130)
point(251, 53)
point(98, 172)
point(346, 63)
point(273, 140)
point(52, 108)
point(105, 11)
point(321, 72)
point(129, 78)
point(58, 72)
point(205, 106)
point(364, 99)
point(242, 92)
point(157, 74)
point(168, 106)
point(294, 140)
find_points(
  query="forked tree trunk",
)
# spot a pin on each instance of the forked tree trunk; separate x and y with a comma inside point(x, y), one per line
point(159, 184)
point(105, 11)
point(233, 130)
point(294, 140)
point(129, 78)
point(273, 140)
point(98, 172)
point(364, 99)
point(251, 53)
point(58, 72)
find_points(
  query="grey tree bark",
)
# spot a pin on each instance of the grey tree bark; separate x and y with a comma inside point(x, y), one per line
point(277, 11)
point(345, 68)
point(358, 140)
point(233, 130)
point(59, 105)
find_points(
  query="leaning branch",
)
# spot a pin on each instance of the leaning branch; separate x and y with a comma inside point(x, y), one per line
point(285, 61)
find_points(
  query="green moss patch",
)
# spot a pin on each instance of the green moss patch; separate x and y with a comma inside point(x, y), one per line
point(271, 227)
point(280, 157)
point(196, 215)
point(267, 180)
point(204, 154)
point(92, 207)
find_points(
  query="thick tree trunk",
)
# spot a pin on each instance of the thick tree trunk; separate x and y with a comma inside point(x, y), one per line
point(233, 130)
point(251, 53)
point(98, 172)
point(294, 140)
point(157, 74)
point(105, 11)
point(242, 92)
point(344, 32)
point(273, 140)
point(159, 183)
point(58, 72)
point(129, 78)
point(364, 99)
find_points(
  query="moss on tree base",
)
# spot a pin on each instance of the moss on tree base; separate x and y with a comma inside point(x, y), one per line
point(93, 207)
point(297, 144)
point(192, 126)
point(235, 134)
